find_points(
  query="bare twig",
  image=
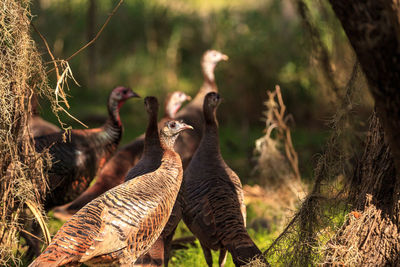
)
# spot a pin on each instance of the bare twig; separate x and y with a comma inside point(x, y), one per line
point(276, 116)
point(97, 35)
point(32, 235)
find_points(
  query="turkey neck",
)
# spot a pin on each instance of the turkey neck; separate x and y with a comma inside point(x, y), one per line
point(209, 84)
point(209, 144)
point(152, 139)
point(167, 142)
point(167, 107)
point(113, 126)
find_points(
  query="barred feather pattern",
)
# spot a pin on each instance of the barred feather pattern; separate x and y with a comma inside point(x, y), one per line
point(120, 225)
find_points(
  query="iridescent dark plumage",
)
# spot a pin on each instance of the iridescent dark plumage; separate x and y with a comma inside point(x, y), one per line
point(76, 162)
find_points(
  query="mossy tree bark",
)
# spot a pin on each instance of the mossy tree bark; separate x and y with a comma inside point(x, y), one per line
point(370, 235)
point(373, 30)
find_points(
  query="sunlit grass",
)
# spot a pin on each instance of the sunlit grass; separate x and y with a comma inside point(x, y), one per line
point(193, 256)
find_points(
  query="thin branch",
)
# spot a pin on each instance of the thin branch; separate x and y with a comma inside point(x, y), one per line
point(97, 35)
point(32, 235)
point(52, 58)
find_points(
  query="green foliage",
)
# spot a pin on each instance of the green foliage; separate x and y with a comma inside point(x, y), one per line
point(155, 47)
point(265, 43)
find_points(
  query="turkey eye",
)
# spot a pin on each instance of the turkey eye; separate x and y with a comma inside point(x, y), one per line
point(172, 124)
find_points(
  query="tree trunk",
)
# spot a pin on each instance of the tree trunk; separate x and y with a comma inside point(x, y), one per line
point(370, 235)
point(375, 173)
point(91, 27)
point(373, 30)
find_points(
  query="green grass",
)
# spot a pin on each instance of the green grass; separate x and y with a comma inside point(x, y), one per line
point(193, 256)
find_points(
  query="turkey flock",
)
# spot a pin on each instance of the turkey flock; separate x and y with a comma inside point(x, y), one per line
point(173, 172)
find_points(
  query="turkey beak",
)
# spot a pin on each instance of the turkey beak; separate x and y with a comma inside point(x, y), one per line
point(132, 94)
point(224, 57)
point(185, 126)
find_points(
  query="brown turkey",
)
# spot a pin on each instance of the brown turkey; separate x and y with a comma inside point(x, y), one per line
point(37, 125)
point(121, 225)
point(212, 198)
point(76, 161)
point(173, 103)
point(114, 171)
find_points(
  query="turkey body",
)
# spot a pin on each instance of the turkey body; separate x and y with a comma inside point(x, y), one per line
point(212, 199)
point(39, 126)
point(76, 161)
point(121, 225)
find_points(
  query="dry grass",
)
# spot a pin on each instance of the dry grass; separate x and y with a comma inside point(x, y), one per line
point(303, 240)
point(363, 240)
point(23, 171)
point(277, 162)
point(21, 75)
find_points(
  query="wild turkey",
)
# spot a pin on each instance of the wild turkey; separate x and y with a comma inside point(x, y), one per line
point(173, 103)
point(76, 162)
point(192, 113)
point(37, 125)
point(212, 197)
point(121, 225)
point(114, 171)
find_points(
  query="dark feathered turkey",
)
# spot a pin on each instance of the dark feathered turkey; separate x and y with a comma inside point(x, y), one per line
point(213, 207)
point(115, 170)
point(121, 225)
point(76, 161)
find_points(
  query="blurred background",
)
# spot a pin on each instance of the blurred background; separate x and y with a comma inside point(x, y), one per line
point(155, 47)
